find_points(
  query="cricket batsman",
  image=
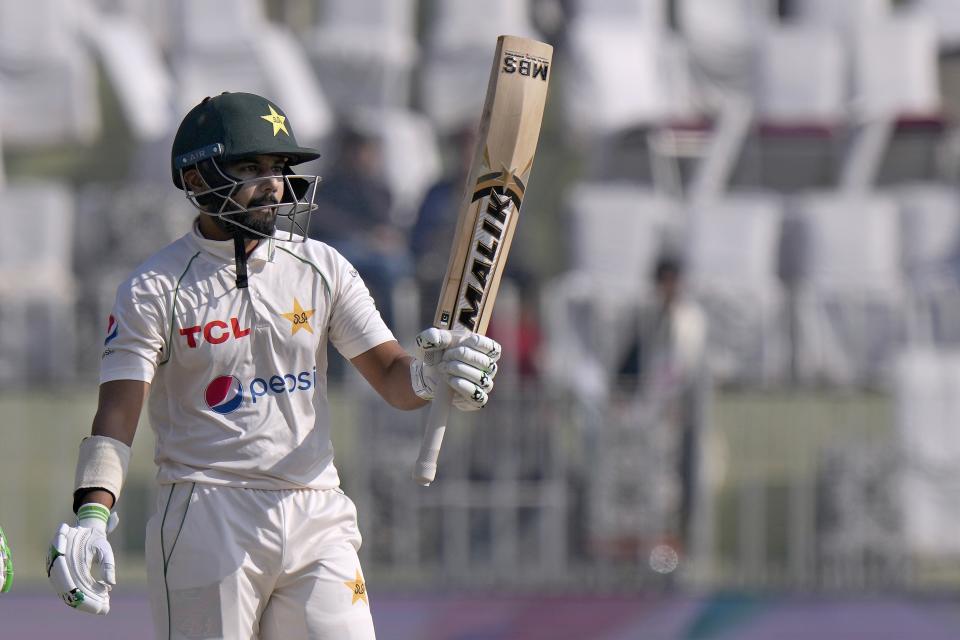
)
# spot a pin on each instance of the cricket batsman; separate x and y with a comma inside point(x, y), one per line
point(224, 334)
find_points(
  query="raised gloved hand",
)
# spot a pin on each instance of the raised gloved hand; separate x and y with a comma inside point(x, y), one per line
point(6, 564)
point(73, 553)
point(464, 360)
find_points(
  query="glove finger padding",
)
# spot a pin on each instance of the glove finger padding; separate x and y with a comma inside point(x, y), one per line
point(72, 553)
point(487, 346)
point(466, 395)
point(476, 375)
point(471, 357)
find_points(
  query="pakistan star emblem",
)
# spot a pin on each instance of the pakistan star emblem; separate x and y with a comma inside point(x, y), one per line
point(359, 589)
point(278, 121)
point(300, 318)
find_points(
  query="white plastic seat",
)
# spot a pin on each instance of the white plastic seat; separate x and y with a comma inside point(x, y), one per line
point(946, 16)
point(801, 77)
point(138, 74)
point(271, 64)
point(617, 230)
point(37, 292)
point(845, 15)
point(850, 299)
point(927, 396)
point(23, 25)
point(456, 65)
point(207, 26)
point(48, 92)
point(930, 236)
point(720, 35)
point(618, 77)
point(616, 233)
point(930, 233)
point(647, 15)
point(364, 52)
point(459, 22)
point(39, 215)
point(895, 68)
point(732, 251)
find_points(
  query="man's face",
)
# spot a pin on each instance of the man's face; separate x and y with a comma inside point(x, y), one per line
point(263, 187)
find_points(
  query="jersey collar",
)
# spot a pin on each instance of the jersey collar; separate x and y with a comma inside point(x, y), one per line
point(221, 251)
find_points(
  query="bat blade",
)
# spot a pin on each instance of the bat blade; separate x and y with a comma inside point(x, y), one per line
point(490, 207)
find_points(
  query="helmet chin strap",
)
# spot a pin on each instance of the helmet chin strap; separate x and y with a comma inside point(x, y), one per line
point(240, 252)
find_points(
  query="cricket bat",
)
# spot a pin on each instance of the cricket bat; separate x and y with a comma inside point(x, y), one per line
point(489, 209)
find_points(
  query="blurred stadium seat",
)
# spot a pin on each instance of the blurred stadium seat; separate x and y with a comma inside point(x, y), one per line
point(846, 15)
point(616, 233)
point(850, 300)
point(646, 15)
point(37, 286)
point(455, 65)
point(930, 239)
point(137, 73)
point(927, 396)
point(364, 52)
point(732, 248)
point(617, 229)
point(239, 50)
point(801, 78)
point(946, 17)
point(895, 68)
point(620, 77)
point(49, 93)
point(720, 35)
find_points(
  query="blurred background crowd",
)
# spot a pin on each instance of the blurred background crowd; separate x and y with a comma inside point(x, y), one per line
point(731, 313)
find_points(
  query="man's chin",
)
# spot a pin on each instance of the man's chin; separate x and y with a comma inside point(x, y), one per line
point(252, 225)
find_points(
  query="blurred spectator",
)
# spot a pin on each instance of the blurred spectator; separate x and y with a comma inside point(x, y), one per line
point(668, 364)
point(669, 350)
point(432, 233)
point(354, 217)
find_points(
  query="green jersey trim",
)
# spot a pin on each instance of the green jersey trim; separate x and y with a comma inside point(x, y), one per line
point(173, 310)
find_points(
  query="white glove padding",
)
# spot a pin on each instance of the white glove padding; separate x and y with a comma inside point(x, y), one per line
point(75, 550)
point(6, 564)
point(464, 360)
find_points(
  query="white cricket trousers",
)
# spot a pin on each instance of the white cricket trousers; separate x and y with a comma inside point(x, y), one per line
point(252, 564)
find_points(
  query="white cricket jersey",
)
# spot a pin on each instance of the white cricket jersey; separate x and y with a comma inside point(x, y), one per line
point(238, 376)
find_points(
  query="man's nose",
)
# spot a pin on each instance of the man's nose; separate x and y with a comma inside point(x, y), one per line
point(271, 183)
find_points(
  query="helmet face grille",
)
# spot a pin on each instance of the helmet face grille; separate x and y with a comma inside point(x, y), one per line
point(218, 200)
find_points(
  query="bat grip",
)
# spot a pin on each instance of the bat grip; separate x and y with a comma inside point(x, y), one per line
point(425, 469)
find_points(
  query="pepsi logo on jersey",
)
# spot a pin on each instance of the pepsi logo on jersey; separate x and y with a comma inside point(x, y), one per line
point(214, 332)
point(225, 394)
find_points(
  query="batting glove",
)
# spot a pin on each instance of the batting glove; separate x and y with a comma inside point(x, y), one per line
point(73, 553)
point(6, 564)
point(464, 360)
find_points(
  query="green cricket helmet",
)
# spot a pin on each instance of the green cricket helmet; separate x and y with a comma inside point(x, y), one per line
point(231, 127)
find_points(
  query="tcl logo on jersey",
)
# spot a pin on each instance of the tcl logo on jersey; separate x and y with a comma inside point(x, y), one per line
point(214, 332)
point(224, 394)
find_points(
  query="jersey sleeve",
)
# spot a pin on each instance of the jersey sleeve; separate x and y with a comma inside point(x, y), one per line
point(355, 324)
point(135, 340)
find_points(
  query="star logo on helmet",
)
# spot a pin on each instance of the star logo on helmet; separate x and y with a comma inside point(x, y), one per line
point(278, 121)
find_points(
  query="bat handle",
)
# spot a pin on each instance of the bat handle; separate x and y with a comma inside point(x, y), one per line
point(425, 469)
